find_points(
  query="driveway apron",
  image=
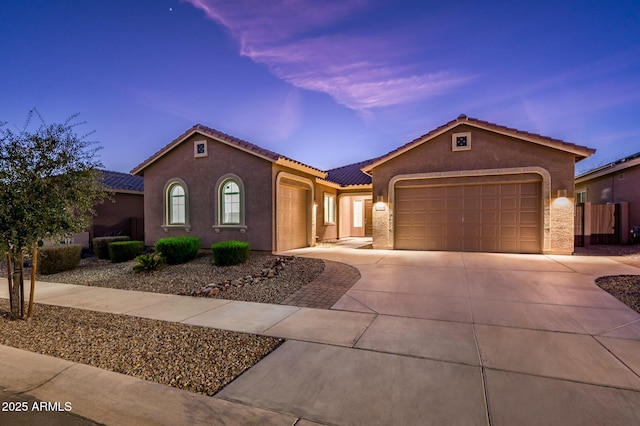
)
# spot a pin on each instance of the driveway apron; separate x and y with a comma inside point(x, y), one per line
point(461, 338)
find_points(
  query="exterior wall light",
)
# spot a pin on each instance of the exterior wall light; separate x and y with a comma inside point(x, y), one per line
point(380, 207)
point(561, 200)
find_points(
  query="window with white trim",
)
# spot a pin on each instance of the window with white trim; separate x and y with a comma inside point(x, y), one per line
point(176, 204)
point(329, 209)
point(581, 197)
point(357, 213)
point(230, 203)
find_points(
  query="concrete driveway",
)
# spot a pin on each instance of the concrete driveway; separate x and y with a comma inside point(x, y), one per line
point(457, 338)
point(422, 338)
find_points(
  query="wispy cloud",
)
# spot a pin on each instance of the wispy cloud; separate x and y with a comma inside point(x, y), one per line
point(305, 43)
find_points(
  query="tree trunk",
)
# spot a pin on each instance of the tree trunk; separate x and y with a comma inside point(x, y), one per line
point(34, 267)
point(17, 290)
point(10, 278)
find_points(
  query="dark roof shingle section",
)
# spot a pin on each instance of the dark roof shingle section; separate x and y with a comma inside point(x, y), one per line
point(350, 174)
point(122, 181)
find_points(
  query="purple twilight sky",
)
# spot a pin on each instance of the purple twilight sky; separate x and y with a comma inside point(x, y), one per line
point(325, 82)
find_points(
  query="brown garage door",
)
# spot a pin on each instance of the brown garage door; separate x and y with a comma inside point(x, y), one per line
point(497, 217)
point(292, 217)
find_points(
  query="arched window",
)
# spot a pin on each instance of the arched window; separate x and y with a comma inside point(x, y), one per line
point(177, 205)
point(230, 204)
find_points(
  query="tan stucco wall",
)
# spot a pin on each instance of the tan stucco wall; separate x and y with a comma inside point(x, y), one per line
point(346, 221)
point(490, 151)
point(201, 176)
point(299, 178)
point(326, 231)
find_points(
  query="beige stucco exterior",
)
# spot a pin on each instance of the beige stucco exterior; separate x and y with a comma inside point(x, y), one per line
point(280, 195)
point(200, 176)
point(492, 157)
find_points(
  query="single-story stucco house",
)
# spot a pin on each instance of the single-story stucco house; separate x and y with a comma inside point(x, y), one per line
point(468, 185)
point(616, 183)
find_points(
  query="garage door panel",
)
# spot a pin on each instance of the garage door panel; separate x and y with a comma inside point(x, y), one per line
point(530, 188)
point(508, 203)
point(435, 231)
point(453, 217)
point(473, 203)
point(438, 217)
point(508, 232)
point(528, 233)
point(508, 189)
point(497, 217)
point(404, 205)
point(453, 204)
point(529, 247)
point(472, 217)
point(489, 203)
point(292, 217)
point(508, 246)
point(529, 203)
point(508, 217)
point(529, 218)
point(436, 204)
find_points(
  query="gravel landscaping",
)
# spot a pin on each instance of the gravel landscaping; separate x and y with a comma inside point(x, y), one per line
point(196, 359)
point(625, 288)
point(263, 278)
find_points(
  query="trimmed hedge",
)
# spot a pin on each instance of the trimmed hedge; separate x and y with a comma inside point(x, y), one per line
point(175, 250)
point(230, 252)
point(101, 245)
point(58, 258)
point(121, 251)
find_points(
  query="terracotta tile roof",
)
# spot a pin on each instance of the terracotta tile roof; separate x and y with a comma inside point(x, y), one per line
point(247, 146)
point(350, 174)
point(580, 151)
point(231, 140)
point(122, 181)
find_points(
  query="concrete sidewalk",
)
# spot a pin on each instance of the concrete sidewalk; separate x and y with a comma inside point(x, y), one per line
point(422, 338)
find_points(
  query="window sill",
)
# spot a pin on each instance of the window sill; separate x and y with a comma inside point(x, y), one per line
point(166, 228)
point(218, 228)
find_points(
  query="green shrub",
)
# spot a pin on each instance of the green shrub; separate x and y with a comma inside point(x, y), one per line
point(101, 245)
point(121, 251)
point(58, 258)
point(175, 250)
point(147, 262)
point(230, 252)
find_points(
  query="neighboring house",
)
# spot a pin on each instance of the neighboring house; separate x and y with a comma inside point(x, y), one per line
point(468, 185)
point(123, 214)
point(614, 183)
